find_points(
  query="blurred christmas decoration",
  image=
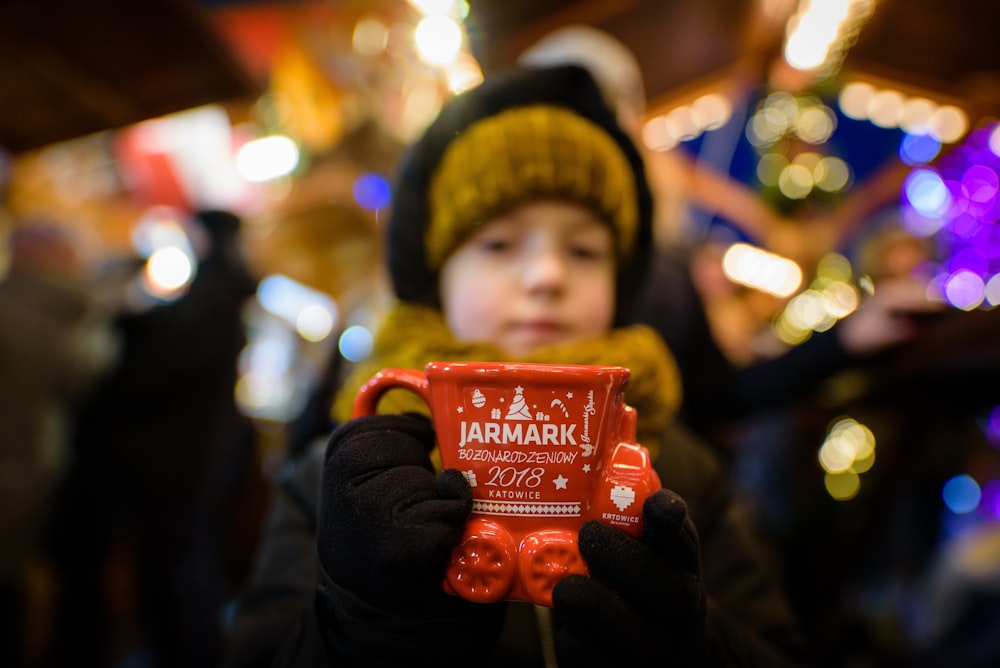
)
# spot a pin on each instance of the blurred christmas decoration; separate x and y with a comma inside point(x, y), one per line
point(957, 201)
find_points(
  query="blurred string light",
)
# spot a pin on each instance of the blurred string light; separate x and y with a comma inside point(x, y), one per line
point(830, 297)
point(957, 201)
point(311, 313)
point(762, 270)
point(819, 33)
point(847, 451)
point(914, 115)
point(687, 122)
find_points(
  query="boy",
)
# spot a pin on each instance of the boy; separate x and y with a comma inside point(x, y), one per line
point(520, 231)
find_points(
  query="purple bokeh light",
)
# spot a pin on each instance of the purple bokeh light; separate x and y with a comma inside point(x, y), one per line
point(960, 209)
point(989, 503)
point(992, 429)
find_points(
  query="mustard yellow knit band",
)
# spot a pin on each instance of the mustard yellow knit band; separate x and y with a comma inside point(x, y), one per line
point(527, 153)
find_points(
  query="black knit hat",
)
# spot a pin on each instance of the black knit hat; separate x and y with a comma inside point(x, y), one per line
point(412, 269)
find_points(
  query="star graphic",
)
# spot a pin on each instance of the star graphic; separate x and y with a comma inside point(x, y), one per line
point(569, 395)
point(461, 409)
point(518, 390)
point(560, 481)
point(586, 468)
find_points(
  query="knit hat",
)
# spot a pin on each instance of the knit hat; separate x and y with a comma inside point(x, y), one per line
point(525, 134)
point(541, 150)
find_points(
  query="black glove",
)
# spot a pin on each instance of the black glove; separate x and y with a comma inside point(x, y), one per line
point(386, 527)
point(645, 602)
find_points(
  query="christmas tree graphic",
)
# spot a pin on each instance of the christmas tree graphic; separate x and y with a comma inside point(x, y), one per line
point(518, 408)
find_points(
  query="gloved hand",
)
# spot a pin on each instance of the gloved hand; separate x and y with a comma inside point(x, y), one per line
point(645, 602)
point(386, 527)
point(659, 612)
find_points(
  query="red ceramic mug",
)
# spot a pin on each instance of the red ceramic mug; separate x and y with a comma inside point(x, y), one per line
point(545, 448)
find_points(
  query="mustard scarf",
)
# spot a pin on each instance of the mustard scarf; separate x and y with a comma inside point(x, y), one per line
point(413, 335)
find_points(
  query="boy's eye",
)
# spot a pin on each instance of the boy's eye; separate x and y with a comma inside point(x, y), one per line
point(587, 252)
point(495, 244)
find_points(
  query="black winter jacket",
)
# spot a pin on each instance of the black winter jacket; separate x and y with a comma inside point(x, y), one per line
point(276, 622)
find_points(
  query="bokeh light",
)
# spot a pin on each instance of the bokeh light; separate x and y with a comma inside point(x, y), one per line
point(992, 428)
point(965, 290)
point(832, 174)
point(829, 298)
point(961, 494)
point(847, 451)
point(685, 122)
point(760, 269)
point(915, 115)
point(916, 149)
point(464, 74)
point(356, 343)
point(314, 323)
point(267, 158)
point(438, 39)
point(957, 201)
point(842, 486)
point(370, 37)
point(890, 108)
point(989, 503)
point(818, 33)
point(168, 269)
point(992, 291)
point(854, 98)
point(371, 192)
point(926, 192)
point(298, 305)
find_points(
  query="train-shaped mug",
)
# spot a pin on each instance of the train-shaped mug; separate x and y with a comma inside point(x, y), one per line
point(545, 447)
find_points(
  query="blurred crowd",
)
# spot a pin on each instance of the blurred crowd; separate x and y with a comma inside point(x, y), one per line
point(124, 454)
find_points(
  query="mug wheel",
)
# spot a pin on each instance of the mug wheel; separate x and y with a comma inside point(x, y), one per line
point(482, 565)
point(546, 557)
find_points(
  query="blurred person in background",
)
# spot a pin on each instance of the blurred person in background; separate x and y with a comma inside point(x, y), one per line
point(56, 341)
point(160, 450)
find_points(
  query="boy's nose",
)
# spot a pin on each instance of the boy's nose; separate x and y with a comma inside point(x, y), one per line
point(544, 270)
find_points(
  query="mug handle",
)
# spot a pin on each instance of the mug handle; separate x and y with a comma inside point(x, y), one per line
point(367, 398)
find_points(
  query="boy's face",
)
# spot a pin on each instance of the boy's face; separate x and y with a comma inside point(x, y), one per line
point(541, 274)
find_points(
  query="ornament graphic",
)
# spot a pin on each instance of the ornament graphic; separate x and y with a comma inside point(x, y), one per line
point(518, 408)
point(622, 496)
point(478, 399)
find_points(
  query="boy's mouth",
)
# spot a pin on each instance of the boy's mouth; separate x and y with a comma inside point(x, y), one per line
point(545, 330)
